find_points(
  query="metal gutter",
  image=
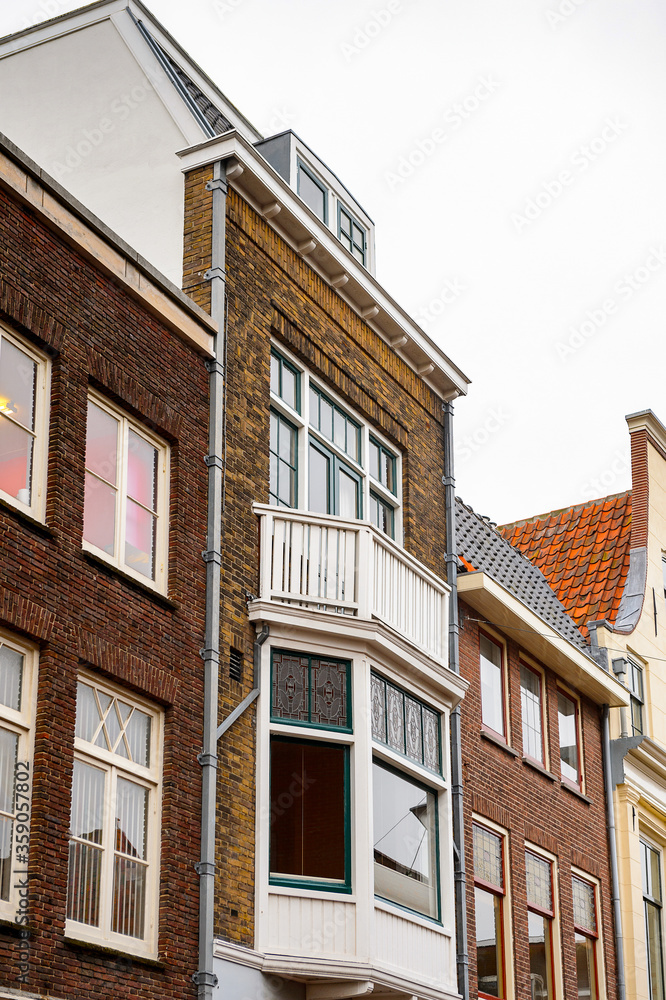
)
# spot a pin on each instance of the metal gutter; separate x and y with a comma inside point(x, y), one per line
point(205, 977)
point(459, 875)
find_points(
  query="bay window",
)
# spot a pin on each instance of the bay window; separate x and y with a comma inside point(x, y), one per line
point(24, 382)
point(114, 829)
point(125, 506)
point(323, 458)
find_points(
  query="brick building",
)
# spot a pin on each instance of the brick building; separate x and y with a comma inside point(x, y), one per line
point(103, 425)
point(327, 866)
point(606, 560)
point(541, 922)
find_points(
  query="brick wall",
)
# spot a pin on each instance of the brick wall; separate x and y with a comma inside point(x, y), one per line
point(502, 787)
point(82, 613)
point(272, 292)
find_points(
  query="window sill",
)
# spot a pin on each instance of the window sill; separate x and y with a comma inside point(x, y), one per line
point(8, 926)
point(498, 742)
point(130, 956)
point(576, 792)
point(27, 519)
point(535, 765)
point(118, 574)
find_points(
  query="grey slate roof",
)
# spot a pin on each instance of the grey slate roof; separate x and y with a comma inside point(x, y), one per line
point(213, 115)
point(479, 542)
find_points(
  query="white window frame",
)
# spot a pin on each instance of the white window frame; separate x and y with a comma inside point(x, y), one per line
point(567, 782)
point(159, 582)
point(300, 419)
point(149, 777)
point(652, 900)
point(21, 722)
point(500, 641)
point(529, 664)
point(37, 506)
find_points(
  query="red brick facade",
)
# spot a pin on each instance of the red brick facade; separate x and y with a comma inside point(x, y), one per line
point(82, 613)
point(532, 804)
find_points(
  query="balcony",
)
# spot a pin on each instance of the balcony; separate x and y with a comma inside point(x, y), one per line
point(321, 564)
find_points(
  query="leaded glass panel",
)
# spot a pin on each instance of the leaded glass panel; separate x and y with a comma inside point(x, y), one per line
point(539, 883)
point(431, 739)
point(378, 709)
point(329, 692)
point(290, 687)
point(583, 904)
point(488, 856)
point(396, 722)
point(414, 746)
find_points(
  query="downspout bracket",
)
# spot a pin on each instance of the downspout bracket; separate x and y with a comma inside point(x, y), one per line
point(205, 979)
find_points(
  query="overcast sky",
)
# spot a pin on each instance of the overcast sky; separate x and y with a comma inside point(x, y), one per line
point(513, 158)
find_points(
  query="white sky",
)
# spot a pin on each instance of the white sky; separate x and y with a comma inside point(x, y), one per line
point(555, 102)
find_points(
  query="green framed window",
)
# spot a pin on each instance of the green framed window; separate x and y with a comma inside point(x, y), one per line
point(653, 906)
point(405, 724)
point(283, 461)
point(311, 690)
point(310, 833)
point(313, 192)
point(635, 679)
point(382, 515)
point(351, 234)
point(285, 381)
point(333, 486)
point(334, 424)
point(405, 835)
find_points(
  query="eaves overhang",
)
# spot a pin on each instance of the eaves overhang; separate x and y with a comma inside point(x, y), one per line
point(269, 194)
point(536, 637)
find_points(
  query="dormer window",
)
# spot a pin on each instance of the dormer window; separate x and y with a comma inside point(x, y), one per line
point(313, 192)
point(351, 234)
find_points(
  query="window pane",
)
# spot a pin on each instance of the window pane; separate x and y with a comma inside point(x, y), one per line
point(311, 193)
point(99, 514)
point(308, 805)
point(288, 386)
point(492, 692)
point(85, 859)
point(102, 444)
point(585, 914)
point(329, 693)
point(568, 737)
point(396, 719)
point(381, 515)
point(539, 882)
point(488, 916)
point(290, 687)
point(18, 374)
point(488, 856)
point(414, 735)
point(138, 737)
point(11, 677)
point(540, 957)
point(142, 471)
point(275, 374)
point(530, 697)
point(140, 535)
point(404, 841)
point(585, 972)
point(318, 498)
point(431, 740)
point(655, 951)
point(348, 487)
point(8, 754)
point(374, 460)
point(16, 448)
point(129, 897)
point(326, 418)
point(131, 819)
point(378, 711)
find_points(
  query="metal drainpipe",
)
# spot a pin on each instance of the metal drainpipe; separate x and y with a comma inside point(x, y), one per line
point(205, 978)
point(460, 879)
point(612, 843)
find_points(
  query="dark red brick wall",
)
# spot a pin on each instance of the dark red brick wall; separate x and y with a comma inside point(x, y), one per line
point(273, 292)
point(500, 786)
point(81, 613)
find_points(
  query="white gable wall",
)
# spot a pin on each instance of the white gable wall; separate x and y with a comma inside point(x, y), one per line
point(95, 119)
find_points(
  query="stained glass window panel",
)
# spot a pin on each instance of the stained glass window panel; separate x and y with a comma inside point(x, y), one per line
point(310, 690)
point(431, 740)
point(329, 693)
point(414, 746)
point(405, 724)
point(396, 723)
point(488, 856)
point(583, 905)
point(378, 699)
point(290, 687)
point(539, 882)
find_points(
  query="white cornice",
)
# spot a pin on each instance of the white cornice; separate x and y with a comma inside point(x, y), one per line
point(535, 636)
point(647, 420)
point(263, 187)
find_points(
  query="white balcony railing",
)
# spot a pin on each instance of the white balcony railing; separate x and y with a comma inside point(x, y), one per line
point(349, 567)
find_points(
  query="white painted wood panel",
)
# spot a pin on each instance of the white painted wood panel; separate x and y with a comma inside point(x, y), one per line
point(411, 948)
point(311, 927)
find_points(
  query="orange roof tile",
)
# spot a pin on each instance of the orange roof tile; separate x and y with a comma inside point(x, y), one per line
point(583, 552)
